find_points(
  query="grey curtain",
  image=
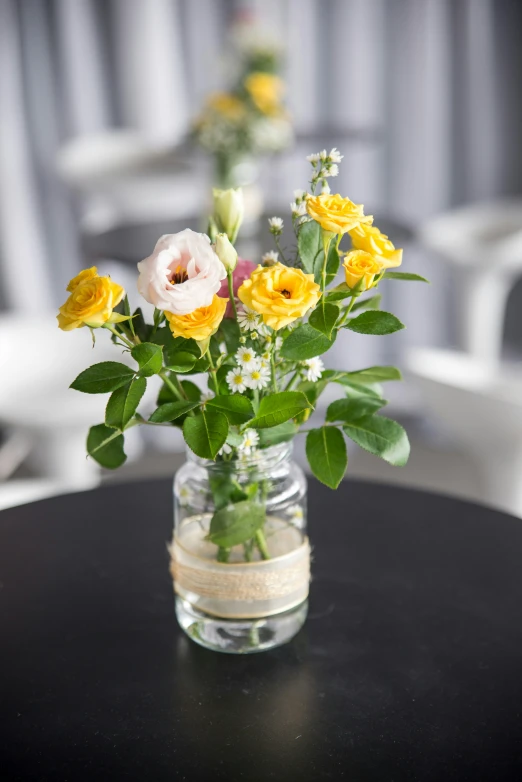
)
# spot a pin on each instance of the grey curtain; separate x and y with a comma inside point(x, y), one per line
point(420, 95)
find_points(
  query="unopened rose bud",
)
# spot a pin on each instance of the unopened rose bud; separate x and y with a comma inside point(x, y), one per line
point(226, 252)
point(228, 211)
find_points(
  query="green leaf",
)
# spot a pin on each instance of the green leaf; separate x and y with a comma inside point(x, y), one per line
point(311, 251)
point(278, 408)
point(371, 303)
point(123, 403)
point(377, 323)
point(326, 454)
point(310, 245)
point(192, 391)
point(170, 411)
point(277, 434)
point(206, 433)
point(355, 391)
point(404, 276)
point(225, 490)
point(180, 361)
point(238, 409)
point(313, 389)
point(236, 524)
point(141, 328)
point(373, 375)
point(103, 378)
point(305, 342)
point(149, 358)
point(339, 293)
point(382, 437)
point(352, 409)
point(324, 318)
point(105, 445)
point(229, 334)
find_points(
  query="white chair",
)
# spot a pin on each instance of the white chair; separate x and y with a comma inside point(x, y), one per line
point(484, 241)
point(480, 405)
point(38, 362)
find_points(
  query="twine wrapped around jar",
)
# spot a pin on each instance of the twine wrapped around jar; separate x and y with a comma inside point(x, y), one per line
point(241, 590)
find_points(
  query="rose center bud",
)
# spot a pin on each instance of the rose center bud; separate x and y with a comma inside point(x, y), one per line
point(179, 276)
point(285, 293)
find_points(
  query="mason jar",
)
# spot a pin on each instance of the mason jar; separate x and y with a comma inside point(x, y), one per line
point(251, 595)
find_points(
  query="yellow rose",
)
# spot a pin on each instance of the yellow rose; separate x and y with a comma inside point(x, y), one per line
point(199, 324)
point(358, 265)
point(335, 213)
point(227, 105)
point(280, 294)
point(371, 240)
point(86, 274)
point(91, 302)
point(266, 91)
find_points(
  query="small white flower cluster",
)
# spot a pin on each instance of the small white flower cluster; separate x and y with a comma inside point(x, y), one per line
point(298, 206)
point(252, 372)
point(251, 321)
point(276, 225)
point(246, 447)
point(324, 165)
point(314, 368)
point(270, 258)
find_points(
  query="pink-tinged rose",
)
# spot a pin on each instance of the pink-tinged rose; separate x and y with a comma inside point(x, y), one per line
point(241, 273)
point(182, 274)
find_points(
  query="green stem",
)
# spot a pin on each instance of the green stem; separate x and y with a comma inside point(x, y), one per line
point(261, 544)
point(118, 334)
point(231, 292)
point(178, 393)
point(347, 312)
point(281, 253)
point(273, 372)
point(327, 240)
point(292, 380)
point(213, 372)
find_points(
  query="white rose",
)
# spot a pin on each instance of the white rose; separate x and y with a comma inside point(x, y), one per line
point(182, 274)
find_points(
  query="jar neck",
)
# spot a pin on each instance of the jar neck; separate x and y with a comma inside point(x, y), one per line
point(261, 460)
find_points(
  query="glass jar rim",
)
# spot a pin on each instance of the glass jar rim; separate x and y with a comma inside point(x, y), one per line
point(260, 459)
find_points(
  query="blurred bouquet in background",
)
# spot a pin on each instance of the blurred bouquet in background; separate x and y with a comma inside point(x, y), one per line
point(249, 119)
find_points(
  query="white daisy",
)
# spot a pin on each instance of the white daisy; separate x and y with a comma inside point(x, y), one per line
point(270, 258)
point(298, 210)
point(278, 343)
point(276, 224)
point(258, 377)
point(335, 156)
point(236, 380)
point(246, 358)
point(295, 512)
point(185, 495)
point(333, 169)
point(248, 319)
point(225, 448)
point(323, 154)
point(314, 368)
point(314, 157)
point(250, 441)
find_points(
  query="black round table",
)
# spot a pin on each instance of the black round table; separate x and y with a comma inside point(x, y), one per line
point(409, 667)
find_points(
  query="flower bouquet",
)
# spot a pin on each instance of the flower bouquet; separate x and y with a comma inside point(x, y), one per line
point(240, 555)
point(250, 119)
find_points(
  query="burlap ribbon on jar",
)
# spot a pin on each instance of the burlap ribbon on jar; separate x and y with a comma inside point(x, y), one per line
point(241, 590)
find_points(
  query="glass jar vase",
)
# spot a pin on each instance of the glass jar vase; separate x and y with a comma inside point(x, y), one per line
point(240, 557)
